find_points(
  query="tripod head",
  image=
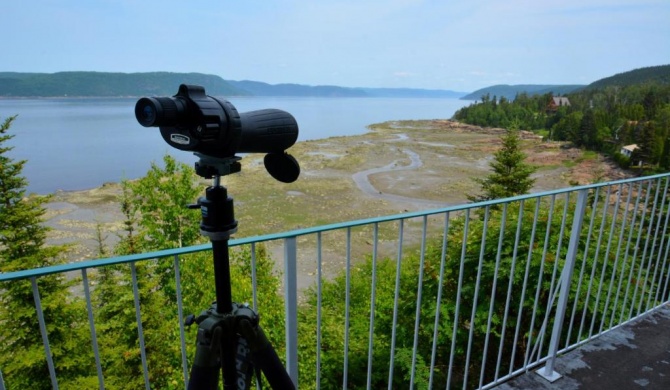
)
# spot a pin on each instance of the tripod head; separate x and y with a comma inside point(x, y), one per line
point(218, 216)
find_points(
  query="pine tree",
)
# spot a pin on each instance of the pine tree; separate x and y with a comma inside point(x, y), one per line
point(649, 148)
point(22, 246)
point(588, 132)
point(511, 175)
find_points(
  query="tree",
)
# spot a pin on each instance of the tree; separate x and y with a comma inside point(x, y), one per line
point(22, 246)
point(156, 214)
point(650, 147)
point(511, 175)
point(587, 130)
point(567, 128)
point(161, 198)
point(156, 217)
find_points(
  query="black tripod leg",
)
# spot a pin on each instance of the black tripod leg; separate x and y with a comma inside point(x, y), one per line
point(206, 378)
point(230, 380)
point(207, 365)
point(265, 357)
point(268, 362)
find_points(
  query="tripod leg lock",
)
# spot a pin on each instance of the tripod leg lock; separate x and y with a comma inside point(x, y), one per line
point(235, 342)
point(208, 342)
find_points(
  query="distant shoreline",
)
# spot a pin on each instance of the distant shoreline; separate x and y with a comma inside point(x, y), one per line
point(110, 84)
point(228, 96)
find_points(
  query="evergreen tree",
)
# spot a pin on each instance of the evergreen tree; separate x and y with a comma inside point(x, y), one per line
point(22, 246)
point(650, 103)
point(511, 175)
point(650, 149)
point(587, 130)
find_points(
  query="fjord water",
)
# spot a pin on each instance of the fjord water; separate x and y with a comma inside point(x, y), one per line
point(74, 144)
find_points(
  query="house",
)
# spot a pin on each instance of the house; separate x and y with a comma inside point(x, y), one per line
point(557, 102)
point(628, 150)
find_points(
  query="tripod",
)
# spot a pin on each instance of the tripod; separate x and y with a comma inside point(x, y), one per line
point(229, 336)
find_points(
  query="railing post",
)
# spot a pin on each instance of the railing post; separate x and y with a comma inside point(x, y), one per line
point(140, 331)
point(43, 331)
point(180, 318)
point(548, 372)
point(2, 382)
point(291, 306)
point(91, 323)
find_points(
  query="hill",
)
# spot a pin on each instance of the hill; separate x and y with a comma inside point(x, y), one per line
point(258, 88)
point(101, 84)
point(510, 91)
point(649, 75)
point(412, 93)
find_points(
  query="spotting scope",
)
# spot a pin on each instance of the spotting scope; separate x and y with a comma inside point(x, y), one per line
point(193, 121)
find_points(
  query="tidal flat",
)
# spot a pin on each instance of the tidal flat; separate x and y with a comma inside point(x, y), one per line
point(396, 167)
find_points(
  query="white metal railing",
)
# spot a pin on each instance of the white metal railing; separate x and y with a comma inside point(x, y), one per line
point(460, 297)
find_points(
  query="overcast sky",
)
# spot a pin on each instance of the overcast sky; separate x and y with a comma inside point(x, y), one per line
point(459, 45)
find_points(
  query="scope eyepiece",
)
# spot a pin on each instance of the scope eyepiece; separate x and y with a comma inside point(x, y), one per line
point(159, 111)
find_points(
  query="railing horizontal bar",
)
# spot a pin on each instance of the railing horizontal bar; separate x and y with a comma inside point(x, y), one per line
point(633, 265)
point(37, 272)
point(98, 263)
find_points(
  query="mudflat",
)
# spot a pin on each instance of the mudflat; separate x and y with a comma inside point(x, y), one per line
point(396, 167)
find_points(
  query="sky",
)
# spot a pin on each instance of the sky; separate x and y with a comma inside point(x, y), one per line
point(456, 45)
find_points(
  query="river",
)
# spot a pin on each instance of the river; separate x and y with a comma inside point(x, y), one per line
point(73, 144)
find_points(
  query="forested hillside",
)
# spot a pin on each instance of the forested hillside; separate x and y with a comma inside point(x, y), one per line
point(101, 84)
point(597, 118)
point(650, 75)
point(510, 91)
point(258, 88)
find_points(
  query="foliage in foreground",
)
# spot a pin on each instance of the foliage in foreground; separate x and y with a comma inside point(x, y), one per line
point(22, 246)
point(527, 268)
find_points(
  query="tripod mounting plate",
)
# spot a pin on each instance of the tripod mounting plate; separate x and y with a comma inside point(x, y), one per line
point(211, 167)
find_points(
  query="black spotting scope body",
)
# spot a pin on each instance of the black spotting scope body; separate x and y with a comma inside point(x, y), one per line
point(193, 121)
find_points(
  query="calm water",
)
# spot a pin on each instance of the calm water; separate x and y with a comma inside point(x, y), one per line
point(74, 144)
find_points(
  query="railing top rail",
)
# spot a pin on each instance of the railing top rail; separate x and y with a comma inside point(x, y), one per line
point(37, 272)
